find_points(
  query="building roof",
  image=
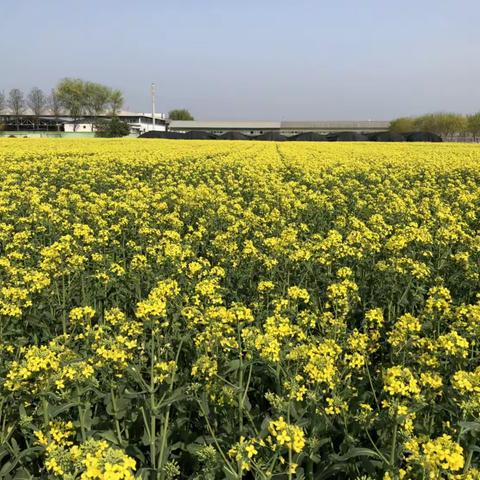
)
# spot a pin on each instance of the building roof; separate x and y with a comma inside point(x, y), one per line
point(309, 125)
point(345, 125)
point(158, 116)
point(221, 125)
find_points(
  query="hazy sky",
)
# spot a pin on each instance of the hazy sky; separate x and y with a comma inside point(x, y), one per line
point(254, 59)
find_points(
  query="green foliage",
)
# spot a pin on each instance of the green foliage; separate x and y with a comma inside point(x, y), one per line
point(474, 124)
point(112, 128)
point(79, 97)
point(115, 102)
point(72, 96)
point(402, 125)
point(442, 123)
point(180, 114)
point(97, 97)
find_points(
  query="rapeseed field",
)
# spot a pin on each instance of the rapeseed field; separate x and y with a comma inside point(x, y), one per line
point(228, 310)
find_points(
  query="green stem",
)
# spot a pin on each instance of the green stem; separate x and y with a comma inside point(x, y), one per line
point(166, 419)
point(240, 383)
point(153, 452)
point(290, 457)
point(81, 416)
point(117, 423)
point(468, 461)
point(64, 312)
point(212, 433)
point(394, 443)
point(371, 385)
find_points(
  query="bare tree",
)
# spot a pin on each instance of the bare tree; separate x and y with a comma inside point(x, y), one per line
point(16, 104)
point(55, 106)
point(2, 109)
point(37, 101)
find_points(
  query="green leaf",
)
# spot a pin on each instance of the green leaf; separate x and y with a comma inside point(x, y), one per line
point(23, 474)
point(353, 453)
point(469, 427)
point(110, 436)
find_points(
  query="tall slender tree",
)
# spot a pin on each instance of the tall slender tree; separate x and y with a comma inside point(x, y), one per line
point(2, 102)
point(115, 102)
point(97, 97)
point(71, 93)
point(2, 109)
point(55, 107)
point(37, 101)
point(474, 125)
point(16, 104)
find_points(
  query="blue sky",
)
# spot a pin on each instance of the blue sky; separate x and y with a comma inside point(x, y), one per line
point(259, 60)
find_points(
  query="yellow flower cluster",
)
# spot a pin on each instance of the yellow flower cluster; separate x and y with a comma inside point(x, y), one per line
point(436, 457)
point(286, 435)
point(92, 459)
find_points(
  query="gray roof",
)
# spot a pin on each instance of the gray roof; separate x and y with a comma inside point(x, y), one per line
point(158, 116)
point(220, 125)
point(346, 125)
point(320, 125)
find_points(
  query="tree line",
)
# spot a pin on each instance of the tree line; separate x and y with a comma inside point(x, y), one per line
point(71, 96)
point(443, 123)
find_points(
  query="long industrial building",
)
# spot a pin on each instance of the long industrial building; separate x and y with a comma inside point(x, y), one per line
point(284, 128)
point(141, 122)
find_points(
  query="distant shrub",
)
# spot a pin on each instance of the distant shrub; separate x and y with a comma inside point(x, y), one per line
point(112, 128)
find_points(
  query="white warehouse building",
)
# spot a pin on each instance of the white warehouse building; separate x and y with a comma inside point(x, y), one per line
point(139, 122)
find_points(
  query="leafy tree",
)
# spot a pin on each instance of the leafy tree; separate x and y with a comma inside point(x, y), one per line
point(452, 123)
point(97, 97)
point(115, 102)
point(180, 114)
point(445, 124)
point(402, 125)
point(79, 97)
point(16, 104)
point(71, 94)
point(112, 128)
point(473, 122)
point(37, 101)
point(426, 123)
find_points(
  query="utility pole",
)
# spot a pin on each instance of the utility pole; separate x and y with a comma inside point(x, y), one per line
point(153, 106)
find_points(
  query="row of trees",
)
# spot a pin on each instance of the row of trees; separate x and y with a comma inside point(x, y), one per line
point(445, 124)
point(36, 100)
point(72, 96)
